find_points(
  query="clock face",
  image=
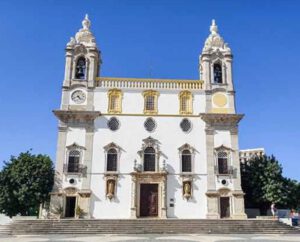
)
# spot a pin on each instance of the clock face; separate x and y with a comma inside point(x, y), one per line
point(78, 96)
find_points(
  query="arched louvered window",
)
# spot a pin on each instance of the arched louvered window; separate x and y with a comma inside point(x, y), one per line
point(218, 73)
point(80, 68)
point(149, 159)
point(73, 161)
point(222, 162)
point(112, 158)
point(186, 161)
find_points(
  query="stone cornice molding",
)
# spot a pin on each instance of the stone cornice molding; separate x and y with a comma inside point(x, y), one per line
point(220, 119)
point(76, 115)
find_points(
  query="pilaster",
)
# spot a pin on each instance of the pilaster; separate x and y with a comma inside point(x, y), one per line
point(60, 155)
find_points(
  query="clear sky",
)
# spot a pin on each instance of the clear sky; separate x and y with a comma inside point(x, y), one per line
point(159, 39)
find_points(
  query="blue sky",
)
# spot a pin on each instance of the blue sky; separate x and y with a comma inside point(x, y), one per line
point(163, 38)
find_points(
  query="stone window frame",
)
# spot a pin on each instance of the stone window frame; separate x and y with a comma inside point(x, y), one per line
point(228, 151)
point(154, 94)
point(150, 142)
point(106, 148)
point(223, 68)
point(192, 150)
point(74, 147)
point(118, 94)
point(81, 54)
point(189, 105)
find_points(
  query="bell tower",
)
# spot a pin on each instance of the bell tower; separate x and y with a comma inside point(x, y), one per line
point(215, 68)
point(83, 61)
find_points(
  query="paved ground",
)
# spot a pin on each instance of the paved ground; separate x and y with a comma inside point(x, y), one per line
point(150, 237)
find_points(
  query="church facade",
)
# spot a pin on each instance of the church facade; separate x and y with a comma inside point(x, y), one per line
point(134, 147)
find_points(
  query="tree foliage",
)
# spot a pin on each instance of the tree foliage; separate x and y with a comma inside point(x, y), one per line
point(25, 182)
point(263, 183)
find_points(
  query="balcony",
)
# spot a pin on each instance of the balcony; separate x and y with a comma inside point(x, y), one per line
point(75, 170)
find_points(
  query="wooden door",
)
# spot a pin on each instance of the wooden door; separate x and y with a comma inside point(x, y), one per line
point(225, 207)
point(70, 207)
point(149, 200)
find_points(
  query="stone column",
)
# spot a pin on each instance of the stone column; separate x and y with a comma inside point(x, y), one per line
point(60, 156)
point(68, 67)
point(239, 208)
point(133, 197)
point(89, 140)
point(212, 200)
point(212, 206)
point(238, 195)
point(86, 181)
point(235, 158)
point(211, 181)
point(164, 198)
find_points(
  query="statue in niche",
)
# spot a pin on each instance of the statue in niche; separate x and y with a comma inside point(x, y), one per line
point(110, 189)
point(187, 190)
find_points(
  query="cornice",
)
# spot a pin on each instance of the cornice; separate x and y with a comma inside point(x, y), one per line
point(76, 115)
point(220, 119)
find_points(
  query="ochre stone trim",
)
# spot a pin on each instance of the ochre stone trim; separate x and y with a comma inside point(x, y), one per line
point(76, 115)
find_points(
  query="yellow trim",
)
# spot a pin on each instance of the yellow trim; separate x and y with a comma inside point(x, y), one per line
point(189, 105)
point(149, 93)
point(147, 115)
point(220, 110)
point(118, 105)
point(147, 80)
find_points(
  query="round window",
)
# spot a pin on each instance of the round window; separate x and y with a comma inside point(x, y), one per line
point(113, 124)
point(150, 124)
point(185, 125)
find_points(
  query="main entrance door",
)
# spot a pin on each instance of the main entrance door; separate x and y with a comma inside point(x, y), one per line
point(149, 200)
point(70, 207)
point(225, 207)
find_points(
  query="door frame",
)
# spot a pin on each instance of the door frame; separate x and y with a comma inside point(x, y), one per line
point(229, 205)
point(158, 197)
point(65, 206)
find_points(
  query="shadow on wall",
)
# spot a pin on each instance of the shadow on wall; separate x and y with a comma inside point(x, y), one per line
point(93, 200)
point(101, 123)
point(175, 186)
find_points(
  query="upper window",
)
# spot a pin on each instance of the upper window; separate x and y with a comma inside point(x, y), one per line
point(222, 162)
point(112, 159)
point(80, 71)
point(115, 101)
point(149, 159)
point(186, 161)
point(218, 73)
point(73, 161)
point(186, 102)
point(150, 102)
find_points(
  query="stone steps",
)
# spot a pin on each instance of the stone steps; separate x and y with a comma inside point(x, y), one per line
point(142, 226)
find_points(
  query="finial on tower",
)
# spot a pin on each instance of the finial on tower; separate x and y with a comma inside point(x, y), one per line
point(213, 28)
point(86, 23)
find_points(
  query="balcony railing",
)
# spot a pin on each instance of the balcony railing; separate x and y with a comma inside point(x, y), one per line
point(80, 169)
point(141, 83)
point(226, 172)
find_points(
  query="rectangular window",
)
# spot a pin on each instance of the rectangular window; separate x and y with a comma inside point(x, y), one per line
point(150, 103)
point(222, 165)
point(73, 165)
point(186, 163)
point(184, 104)
point(114, 103)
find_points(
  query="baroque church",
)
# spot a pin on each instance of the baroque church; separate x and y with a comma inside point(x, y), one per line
point(135, 147)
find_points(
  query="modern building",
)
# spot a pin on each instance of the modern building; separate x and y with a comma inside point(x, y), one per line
point(248, 154)
point(135, 147)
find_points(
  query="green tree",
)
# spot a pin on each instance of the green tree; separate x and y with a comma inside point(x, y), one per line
point(25, 182)
point(263, 183)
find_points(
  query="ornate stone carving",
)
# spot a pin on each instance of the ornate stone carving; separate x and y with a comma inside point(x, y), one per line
point(215, 41)
point(76, 116)
point(220, 119)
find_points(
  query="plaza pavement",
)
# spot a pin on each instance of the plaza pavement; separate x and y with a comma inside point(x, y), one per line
point(150, 237)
